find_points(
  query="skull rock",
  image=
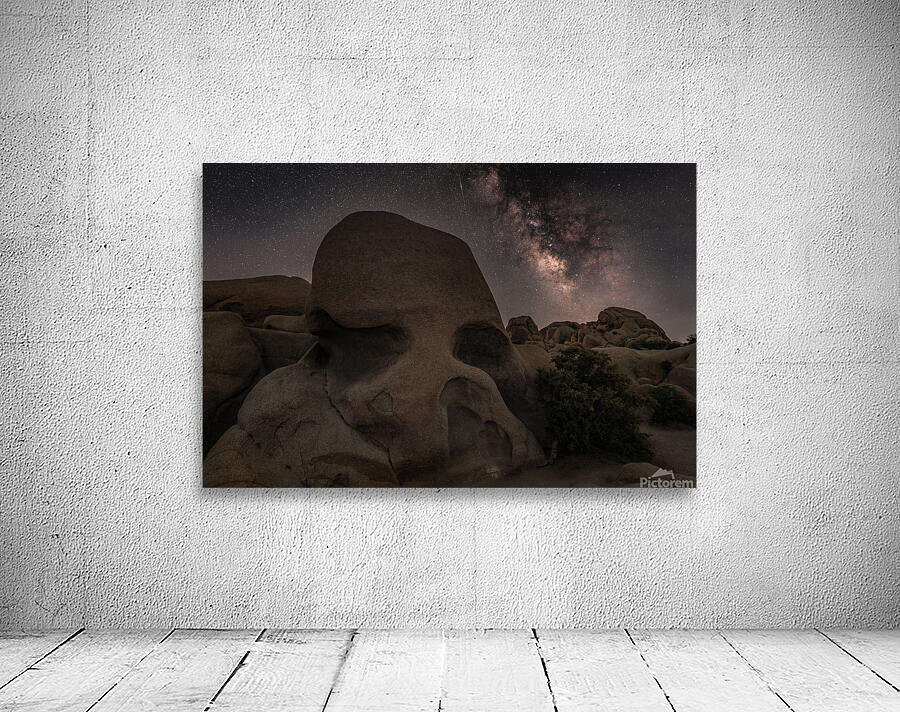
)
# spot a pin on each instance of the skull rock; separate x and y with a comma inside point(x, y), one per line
point(413, 372)
point(414, 351)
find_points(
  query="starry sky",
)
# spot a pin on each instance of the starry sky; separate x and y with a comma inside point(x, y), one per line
point(554, 241)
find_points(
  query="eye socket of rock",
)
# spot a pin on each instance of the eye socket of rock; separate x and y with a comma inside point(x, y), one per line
point(354, 355)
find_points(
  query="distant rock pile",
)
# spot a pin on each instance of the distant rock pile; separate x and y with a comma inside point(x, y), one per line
point(257, 297)
point(615, 326)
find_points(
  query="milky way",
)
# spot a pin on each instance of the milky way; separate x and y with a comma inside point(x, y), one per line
point(550, 226)
point(555, 241)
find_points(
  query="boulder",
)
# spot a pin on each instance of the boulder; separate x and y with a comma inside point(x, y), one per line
point(656, 367)
point(684, 377)
point(560, 332)
point(289, 434)
point(590, 340)
point(617, 326)
point(256, 298)
point(535, 358)
point(231, 365)
point(522, 329)
point(280, 348)
point(282, 322)
point(646, 389)
point(628, 320)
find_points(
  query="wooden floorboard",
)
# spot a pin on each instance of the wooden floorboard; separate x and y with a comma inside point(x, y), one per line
point(878, 650)
point(700, 672)
point(20, 650)
point(384, 671)
point(498, 670)
point(286, 671)
point(184, 673)
point(812, 674)
point(450, 671)
point(78, 673)
point(598, 670)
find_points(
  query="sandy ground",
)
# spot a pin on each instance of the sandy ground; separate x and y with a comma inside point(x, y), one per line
point(674, 449)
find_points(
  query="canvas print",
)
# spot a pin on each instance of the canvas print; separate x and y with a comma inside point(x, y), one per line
point(449, 325)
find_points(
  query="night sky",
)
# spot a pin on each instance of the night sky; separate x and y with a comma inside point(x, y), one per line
point(554, 241)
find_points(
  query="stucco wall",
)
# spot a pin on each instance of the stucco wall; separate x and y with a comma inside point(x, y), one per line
point(108, 112)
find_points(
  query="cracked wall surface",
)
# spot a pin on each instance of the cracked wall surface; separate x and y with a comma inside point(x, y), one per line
point(790, 111)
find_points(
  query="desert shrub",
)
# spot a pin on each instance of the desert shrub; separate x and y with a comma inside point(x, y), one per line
point(589, 407)
point(666, 366)
point(671, 407)
point(692, 339)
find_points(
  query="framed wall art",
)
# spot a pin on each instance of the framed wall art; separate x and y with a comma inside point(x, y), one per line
point(449, 325)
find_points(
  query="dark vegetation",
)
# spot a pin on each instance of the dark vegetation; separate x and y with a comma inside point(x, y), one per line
point(657, 345)
point(670, 406)
point(589, 407)
point(651, 345)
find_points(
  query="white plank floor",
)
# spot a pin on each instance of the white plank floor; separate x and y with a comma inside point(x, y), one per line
point(449, 671)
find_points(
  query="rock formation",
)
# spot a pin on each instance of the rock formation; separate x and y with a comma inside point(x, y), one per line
point(615, 326)
point(258, 297)
point(235, 357)
point(280, 348)
point(560, 332)
point(394, 367)
point(231, 365)
point(648, 368)
point(413, 371)
point(289, 434)
point(522, 330)
point(282, 322)
point(626, 327)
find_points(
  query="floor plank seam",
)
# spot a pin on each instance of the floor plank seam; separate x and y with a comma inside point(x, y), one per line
point(43, 657)
point(340, 667)
point(650, 670)
point(756, 671)
point(441, 691)
point(540, 652)
point(146, 655)
point(233, 672)
point(241, 663)
point(842, 648)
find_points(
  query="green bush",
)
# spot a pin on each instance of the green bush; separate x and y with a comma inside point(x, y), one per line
point(589, 407)
point(692, 339)
point(672, 407)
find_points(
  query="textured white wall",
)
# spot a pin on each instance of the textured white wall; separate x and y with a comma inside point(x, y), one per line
point(791, 113)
